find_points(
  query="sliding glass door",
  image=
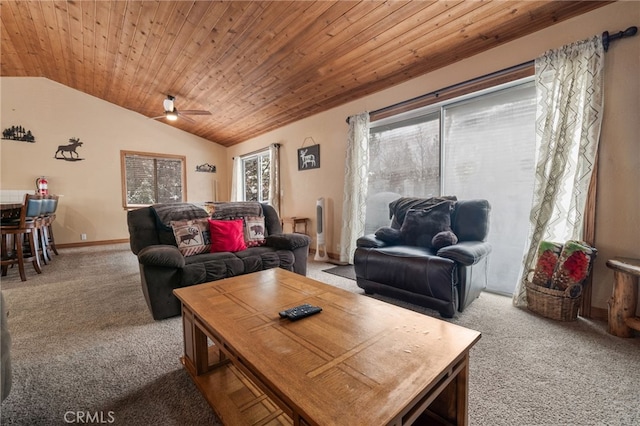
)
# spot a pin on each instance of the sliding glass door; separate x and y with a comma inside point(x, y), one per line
point(479, 147)
point(489, 150)
point(404, 158)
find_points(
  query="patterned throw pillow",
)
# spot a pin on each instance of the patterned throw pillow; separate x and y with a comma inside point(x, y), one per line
point(192, 236)
point(548, 254)
point(574, 265)
point(255, 233)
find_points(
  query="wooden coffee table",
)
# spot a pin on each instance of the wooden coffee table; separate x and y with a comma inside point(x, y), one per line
point(358, 362)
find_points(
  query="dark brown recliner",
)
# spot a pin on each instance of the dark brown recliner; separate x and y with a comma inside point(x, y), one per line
point(447, 279)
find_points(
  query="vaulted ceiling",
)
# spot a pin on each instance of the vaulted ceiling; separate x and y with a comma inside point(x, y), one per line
point(255, 65)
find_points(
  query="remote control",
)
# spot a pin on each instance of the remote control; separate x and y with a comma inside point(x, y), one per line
point(299, 312)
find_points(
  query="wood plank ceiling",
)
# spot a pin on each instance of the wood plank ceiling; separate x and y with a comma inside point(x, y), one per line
point(256, 65)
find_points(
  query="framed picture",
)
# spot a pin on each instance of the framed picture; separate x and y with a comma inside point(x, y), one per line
point(309, 157)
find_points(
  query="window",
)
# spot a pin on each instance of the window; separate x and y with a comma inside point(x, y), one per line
point(256, 169)
point(152, 178)
point(482, 146)
point(405, 157)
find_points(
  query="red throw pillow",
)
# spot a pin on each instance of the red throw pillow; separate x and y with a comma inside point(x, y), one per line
point(227, 235)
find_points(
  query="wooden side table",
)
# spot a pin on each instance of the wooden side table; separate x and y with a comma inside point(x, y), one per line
point(624, 300)
point(295, 221)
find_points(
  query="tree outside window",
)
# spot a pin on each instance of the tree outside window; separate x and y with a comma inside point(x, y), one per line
point(152, 178)
point(256, 172)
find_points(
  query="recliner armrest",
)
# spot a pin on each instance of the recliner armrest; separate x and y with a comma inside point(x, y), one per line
point(467, 252)
point(161, 255)
point(288, 241)
point(370, 241)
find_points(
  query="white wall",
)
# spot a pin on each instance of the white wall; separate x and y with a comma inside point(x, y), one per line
point(92, 202)
point(618, 217)
point(91, 189)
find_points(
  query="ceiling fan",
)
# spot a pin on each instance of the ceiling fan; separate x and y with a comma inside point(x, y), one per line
point(171, 113)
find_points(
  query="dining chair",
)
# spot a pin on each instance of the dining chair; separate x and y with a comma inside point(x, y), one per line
point(16, 231)
point(48, 215)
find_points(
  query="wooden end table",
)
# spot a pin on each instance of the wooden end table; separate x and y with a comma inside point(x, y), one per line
point(295, 221)
point(359, 361)
point(624, 299)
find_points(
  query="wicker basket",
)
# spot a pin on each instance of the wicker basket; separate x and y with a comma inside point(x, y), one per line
point(555, 304)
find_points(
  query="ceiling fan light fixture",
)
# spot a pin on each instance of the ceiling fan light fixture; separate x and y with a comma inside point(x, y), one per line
point(171, 115)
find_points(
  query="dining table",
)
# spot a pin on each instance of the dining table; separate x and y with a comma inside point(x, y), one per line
point(10, 210)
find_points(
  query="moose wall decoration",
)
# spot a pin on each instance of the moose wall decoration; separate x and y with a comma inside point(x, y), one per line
point(309, 157)
point(70, 148)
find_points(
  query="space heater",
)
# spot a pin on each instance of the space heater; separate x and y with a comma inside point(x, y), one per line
point(321, 244)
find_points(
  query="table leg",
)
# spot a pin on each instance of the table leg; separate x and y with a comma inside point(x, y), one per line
point(623, 303)
point(196, 356)
point(462, 388)
point(451, 404)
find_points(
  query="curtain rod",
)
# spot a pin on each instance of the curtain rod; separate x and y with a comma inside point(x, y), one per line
point(606, 40)
point(437, 93)
point(256, 151)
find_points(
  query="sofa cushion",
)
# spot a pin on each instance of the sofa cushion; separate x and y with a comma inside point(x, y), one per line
point(165, 213)
point(288, 241)
point(236, 209)
point(164, 255)
point(263, 257)
point(413, 269)
point(192, 236)
point(255, 232)
point(212, 269)
point(227, 235)
point(466, 253)
point(470, 220)
point(420, 226)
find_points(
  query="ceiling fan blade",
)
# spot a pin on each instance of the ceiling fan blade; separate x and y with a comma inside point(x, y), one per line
point(156, 118)
point(195, 112)
point(181, 115)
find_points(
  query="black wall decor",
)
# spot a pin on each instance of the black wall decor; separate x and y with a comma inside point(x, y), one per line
point(309, 157)
point(70, 149)
point(18, 133)
point(206, 167)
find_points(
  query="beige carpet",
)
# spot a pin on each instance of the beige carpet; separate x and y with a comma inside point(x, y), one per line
point(84, 341)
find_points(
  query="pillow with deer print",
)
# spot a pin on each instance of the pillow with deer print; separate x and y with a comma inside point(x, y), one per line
point(192, 236)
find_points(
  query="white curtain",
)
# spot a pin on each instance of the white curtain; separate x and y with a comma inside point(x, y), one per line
point(274, 177)
point(569, 92)
point(236, 180)
point(355, 185)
